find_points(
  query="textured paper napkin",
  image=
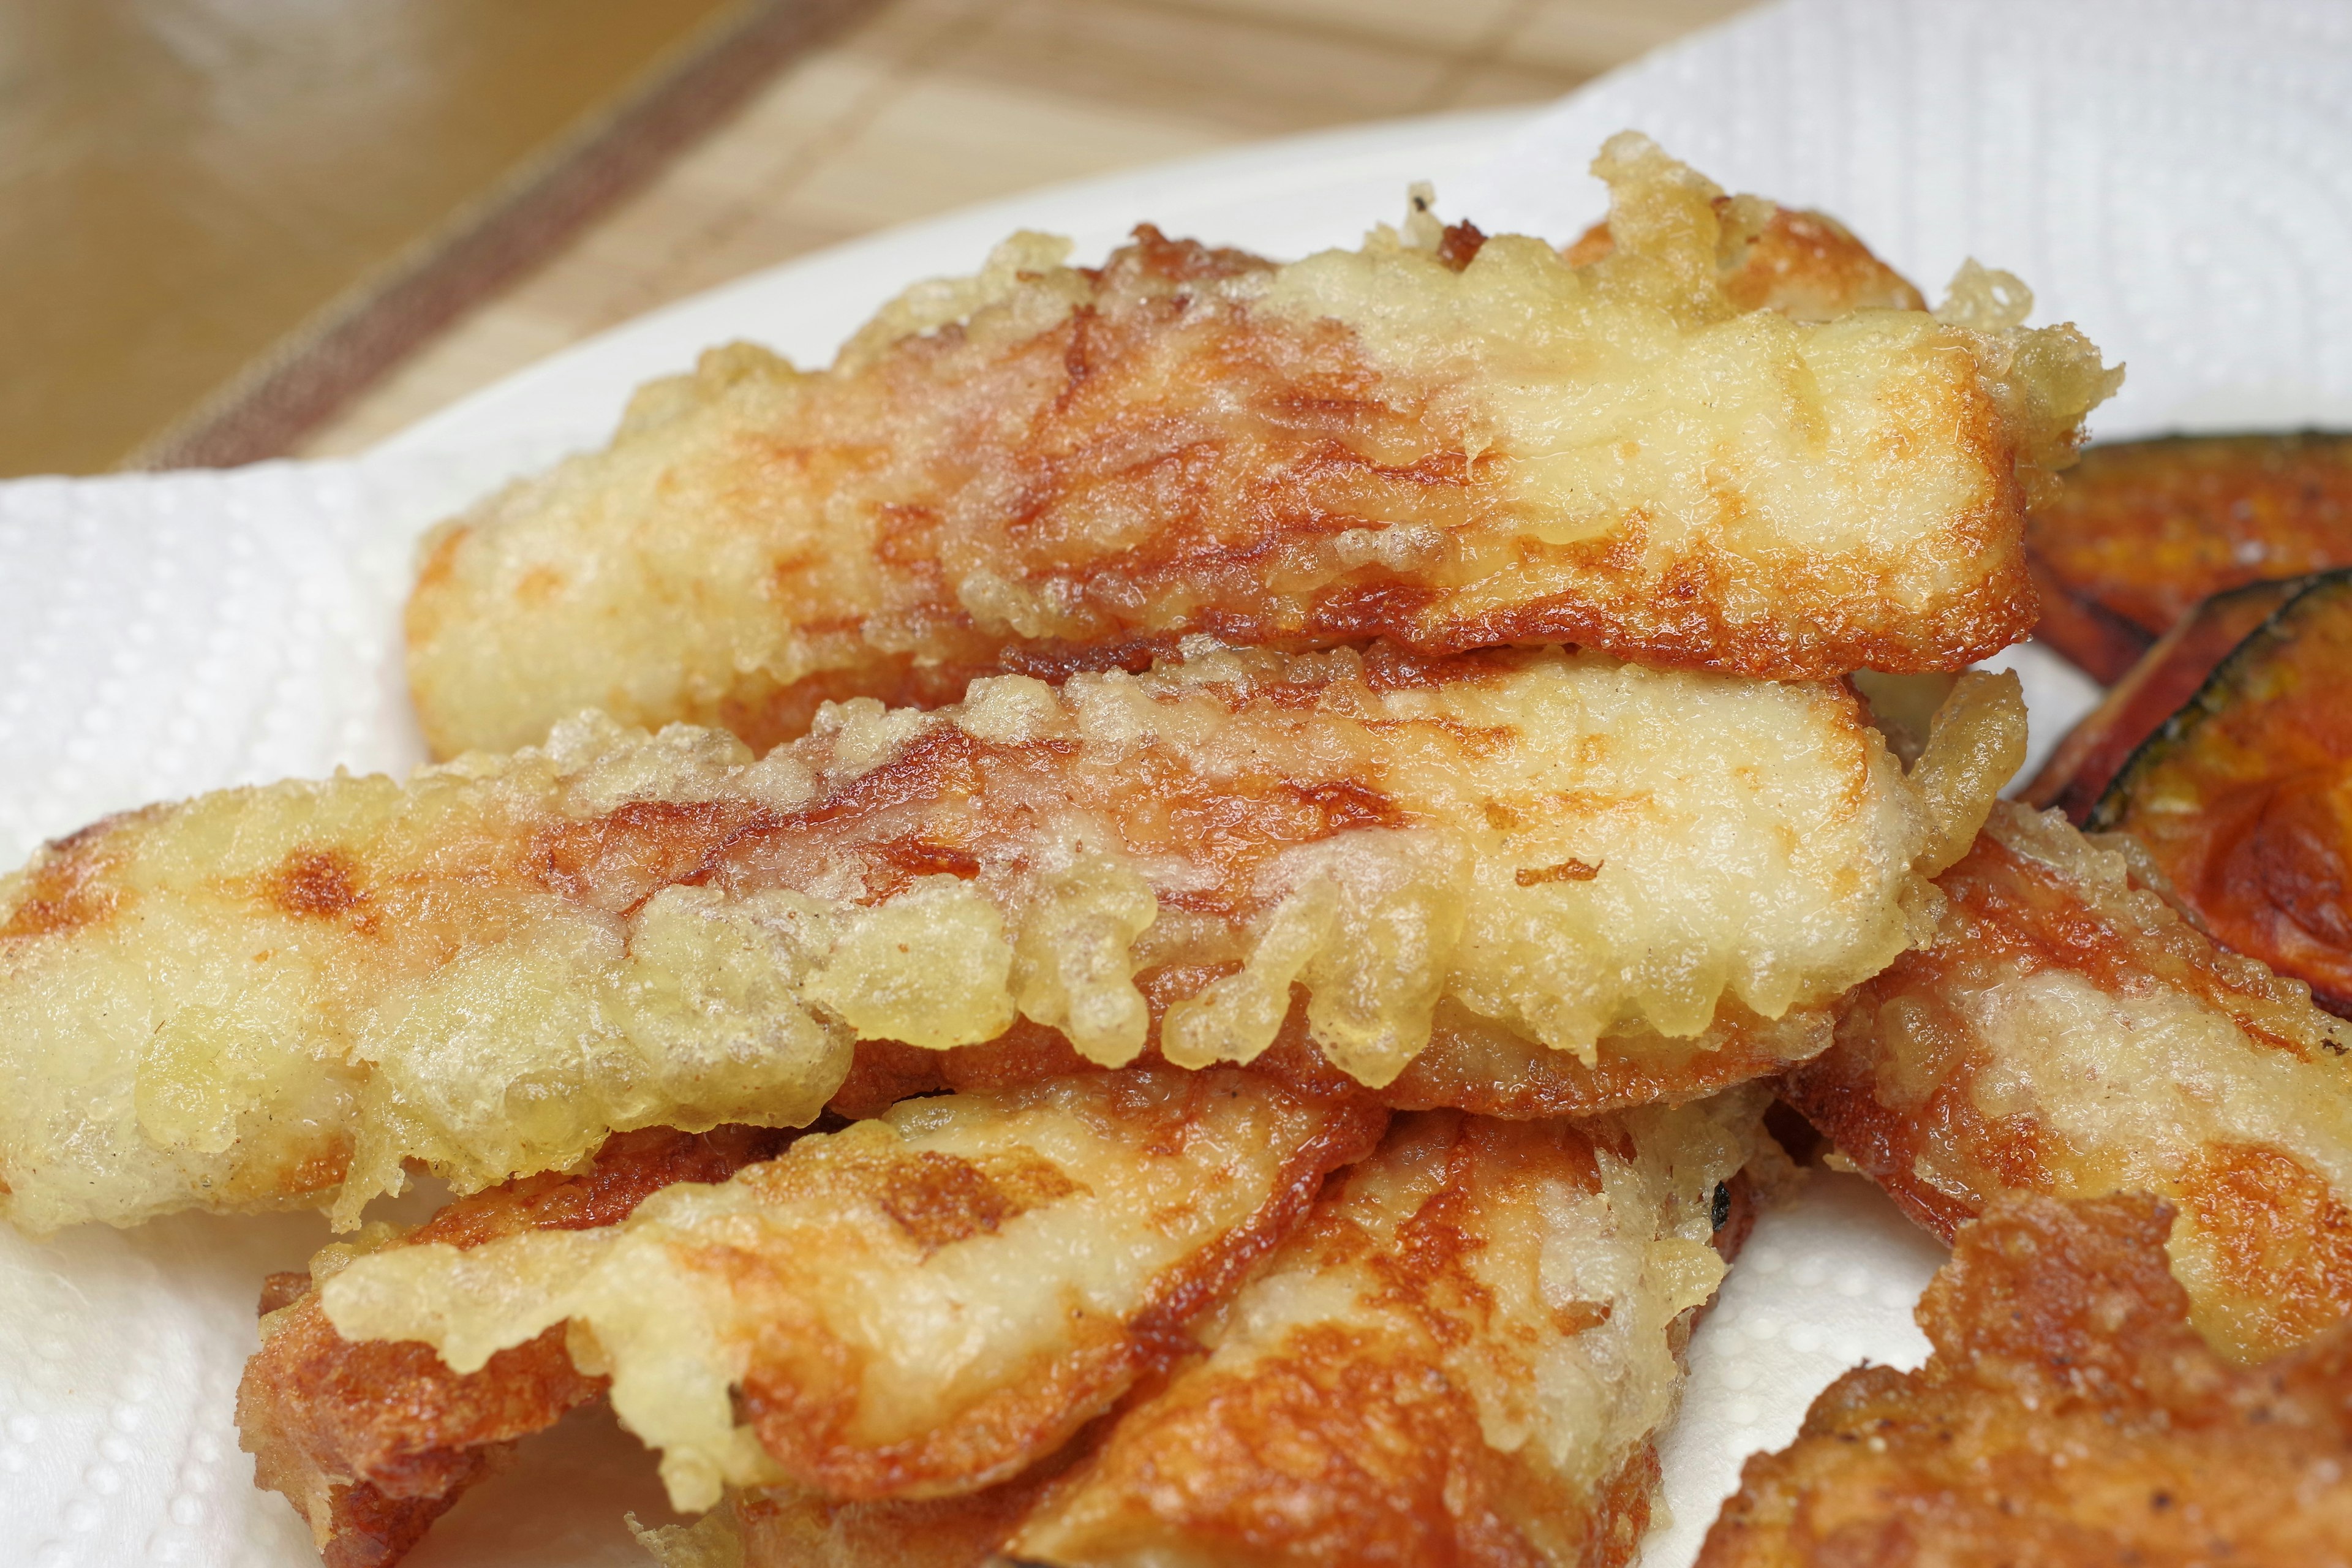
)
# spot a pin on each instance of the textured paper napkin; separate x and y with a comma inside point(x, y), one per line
point(2173, 176)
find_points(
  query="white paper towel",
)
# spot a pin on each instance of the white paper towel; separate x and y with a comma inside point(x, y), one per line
point(2174, 176)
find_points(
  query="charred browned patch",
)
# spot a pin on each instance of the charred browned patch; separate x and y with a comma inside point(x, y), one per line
point(2280, 1236)
point(1182, 260)
point(943, 762)
point(919, 857)
point(618, 860)
point(1459, 246)
point(1345, 803)
point(1055, 661)
point(940, 1199)
point(1568, 870)
point(318, 884)
point(65, 889)
point(764, 714)
point(1382, 605)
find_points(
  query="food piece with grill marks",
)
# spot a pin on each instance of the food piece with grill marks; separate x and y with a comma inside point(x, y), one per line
point(374, 1440)
point(2068, 1033)
point(2141, 533)
point(1441, 442)
point(2069, 1415)
point(285, 994)
point(921, 1303)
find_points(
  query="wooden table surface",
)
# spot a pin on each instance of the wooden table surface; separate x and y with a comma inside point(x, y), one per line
point(930, 105)
point(230, 231)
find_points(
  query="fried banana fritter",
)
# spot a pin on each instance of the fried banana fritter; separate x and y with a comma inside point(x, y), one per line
point(2142, 532)
point(1463, 1357)
point(2068, 1417)
point(922, 1303)
point(1444, 445)
point(374, 1440)
point(2068, 1033)
point(270, 995)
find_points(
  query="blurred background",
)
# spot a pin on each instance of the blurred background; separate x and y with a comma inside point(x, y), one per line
point(232, 229)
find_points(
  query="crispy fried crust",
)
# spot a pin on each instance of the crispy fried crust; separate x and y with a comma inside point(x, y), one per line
point(918, 1305)
point(2243, 799)
point(1470, 1063)
point(2067, 1032)
point(371, 1441)
point(1805, 265)
point(1453, 1362)
point(2143, 531)
point(260, 994)
point(2069, 1416)
point(1443, 444)
point(1463, 1359)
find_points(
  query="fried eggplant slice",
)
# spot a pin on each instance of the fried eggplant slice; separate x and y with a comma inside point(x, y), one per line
point(921, 1304)
point(2069, 1416)
point(2068, 1033)
point(2141, 533)
point(275, 994)
point(2243, 798)
point(1047, 468)
point(2139, 704)
point(374, 1440)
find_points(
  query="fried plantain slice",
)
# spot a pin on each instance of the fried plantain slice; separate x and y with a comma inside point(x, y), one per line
point(2243, 798)
point(1441, 445)
point(919, 1304)
point(2068, 1033)
point(285, 994)
point(374, 1440)
point(2068, 1416)
point(2141, 533)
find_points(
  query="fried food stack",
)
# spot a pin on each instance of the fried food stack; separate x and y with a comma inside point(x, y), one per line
point(1170, 924)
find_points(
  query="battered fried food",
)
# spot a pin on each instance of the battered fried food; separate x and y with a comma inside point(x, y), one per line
point(371, 1441)
point(1466, 1358)
point(282, 994)
point(2142, 532)
point(2243, 799)
point(2068, 1033)
point(1463, 1358)
point(2069, 1416)
point(1805, 265)
point(1441, 442)
point(921, 1304)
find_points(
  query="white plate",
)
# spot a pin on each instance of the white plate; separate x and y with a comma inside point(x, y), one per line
point(2174, 176)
